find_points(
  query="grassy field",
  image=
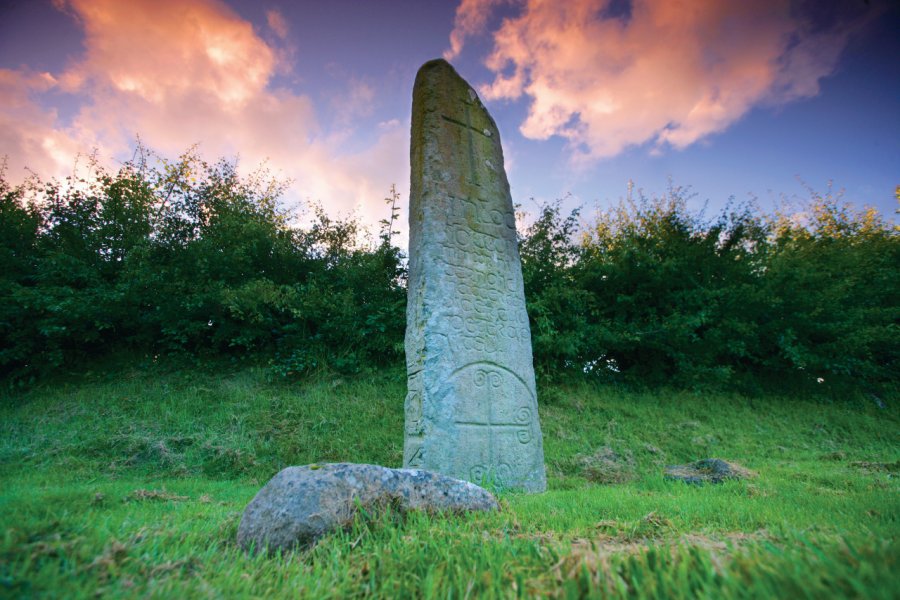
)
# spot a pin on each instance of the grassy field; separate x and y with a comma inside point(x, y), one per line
point(132, 485)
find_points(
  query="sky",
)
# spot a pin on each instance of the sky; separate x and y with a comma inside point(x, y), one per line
point(733, 99)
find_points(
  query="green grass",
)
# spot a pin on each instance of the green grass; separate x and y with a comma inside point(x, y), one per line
point(132, 485)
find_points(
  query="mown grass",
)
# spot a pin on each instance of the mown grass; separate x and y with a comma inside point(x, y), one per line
point(132, 485)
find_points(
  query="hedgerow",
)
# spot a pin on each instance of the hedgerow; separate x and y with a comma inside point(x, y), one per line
point(189, 259)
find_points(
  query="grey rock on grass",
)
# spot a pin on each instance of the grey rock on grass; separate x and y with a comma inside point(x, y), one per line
point(300, 504)
point(708, 470)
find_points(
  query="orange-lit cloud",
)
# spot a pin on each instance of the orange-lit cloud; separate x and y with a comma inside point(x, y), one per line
point(179, 72)
point(670, 72)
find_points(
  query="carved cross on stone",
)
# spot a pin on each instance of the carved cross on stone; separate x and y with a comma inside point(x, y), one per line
point(488, 384)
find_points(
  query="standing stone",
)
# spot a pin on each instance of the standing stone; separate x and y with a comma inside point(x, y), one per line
point(471, 406)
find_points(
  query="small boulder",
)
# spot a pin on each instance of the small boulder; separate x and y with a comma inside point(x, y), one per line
point(301, 504)
point(708, 470)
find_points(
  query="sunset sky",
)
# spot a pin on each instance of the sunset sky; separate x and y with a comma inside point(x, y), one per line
point(732, 98)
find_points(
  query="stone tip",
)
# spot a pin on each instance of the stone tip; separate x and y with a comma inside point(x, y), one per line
point(437, 69)
point(437, 64)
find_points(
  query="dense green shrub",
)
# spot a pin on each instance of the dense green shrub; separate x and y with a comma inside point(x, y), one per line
point(653, 293)
point(675, 291)
point(559, 307)
point(833, 294)
point(188, 257)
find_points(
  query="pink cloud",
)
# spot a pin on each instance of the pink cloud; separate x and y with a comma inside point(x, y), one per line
point(176, 73)
point(669, 73)
point(471, 19)
point(277, 23)
point(160, 50)
point(29, 133)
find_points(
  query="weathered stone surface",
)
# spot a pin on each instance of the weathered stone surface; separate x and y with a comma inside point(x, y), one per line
point(300, 504)
point(708, 470)
point(471, 406)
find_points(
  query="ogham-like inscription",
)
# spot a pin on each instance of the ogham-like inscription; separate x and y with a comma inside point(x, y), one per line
point(471, 408)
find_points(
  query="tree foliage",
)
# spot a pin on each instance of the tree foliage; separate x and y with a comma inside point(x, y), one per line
point(191, 259)
point(188, 257)
point(655, 293)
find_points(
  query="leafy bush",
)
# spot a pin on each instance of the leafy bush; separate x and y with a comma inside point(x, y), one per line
point(559, 306)
point(833, 294)
point(653, 293)
point(188, 257)
point(674, 290)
